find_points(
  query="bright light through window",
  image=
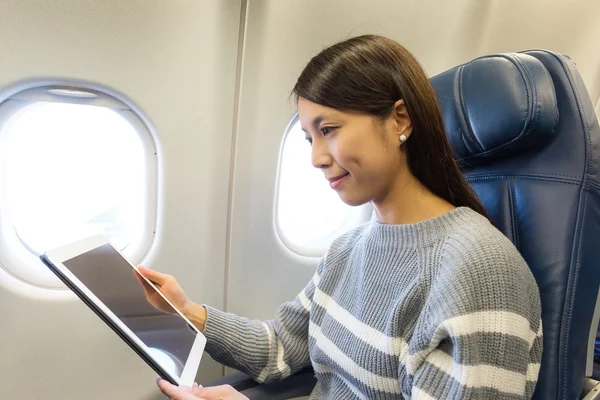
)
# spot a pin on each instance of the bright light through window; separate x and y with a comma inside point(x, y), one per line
point(74, 170)
point(310, 214)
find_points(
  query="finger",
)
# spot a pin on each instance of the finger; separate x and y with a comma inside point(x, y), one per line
point(196, 389)
point(147, 288)
point(153, 276)
point(215, 392)
point(166, 387)
point(174, 392)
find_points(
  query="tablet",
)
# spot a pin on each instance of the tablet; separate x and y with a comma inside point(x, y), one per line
point(104, 280)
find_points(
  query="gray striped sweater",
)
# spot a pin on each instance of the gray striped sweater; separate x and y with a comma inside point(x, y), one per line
point(441, 309)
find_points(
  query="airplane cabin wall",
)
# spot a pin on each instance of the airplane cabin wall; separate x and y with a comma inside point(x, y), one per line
point(176, 60)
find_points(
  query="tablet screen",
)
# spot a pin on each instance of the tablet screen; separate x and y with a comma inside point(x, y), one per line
point(111, 278)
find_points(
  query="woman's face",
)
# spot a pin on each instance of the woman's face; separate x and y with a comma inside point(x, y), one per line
point(360, 156)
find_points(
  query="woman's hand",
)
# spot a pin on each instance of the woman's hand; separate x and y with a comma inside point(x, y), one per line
point(179, 393)
point(170, 288)
point(167, 285)
point(223, 392)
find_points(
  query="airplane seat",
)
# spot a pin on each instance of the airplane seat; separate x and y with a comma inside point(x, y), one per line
point(524, 130)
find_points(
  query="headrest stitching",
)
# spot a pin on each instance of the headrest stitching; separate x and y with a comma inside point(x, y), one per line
point(463, 107)
point(534, 98)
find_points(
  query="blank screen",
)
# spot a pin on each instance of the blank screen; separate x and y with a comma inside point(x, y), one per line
point(110, 277)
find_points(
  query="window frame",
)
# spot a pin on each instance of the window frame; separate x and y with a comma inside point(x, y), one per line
point(16, 259)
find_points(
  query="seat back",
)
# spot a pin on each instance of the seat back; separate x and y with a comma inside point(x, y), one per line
point(523, 127)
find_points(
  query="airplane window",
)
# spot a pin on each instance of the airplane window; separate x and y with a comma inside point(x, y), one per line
point(309, 213)
point(69, 170)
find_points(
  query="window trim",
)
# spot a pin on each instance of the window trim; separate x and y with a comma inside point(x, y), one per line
point(16, 261)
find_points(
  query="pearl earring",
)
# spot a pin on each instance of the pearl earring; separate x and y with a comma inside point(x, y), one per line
point(403, 138)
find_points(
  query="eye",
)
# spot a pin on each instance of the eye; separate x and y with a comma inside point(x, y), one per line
point(309, 140)
point(327, 129)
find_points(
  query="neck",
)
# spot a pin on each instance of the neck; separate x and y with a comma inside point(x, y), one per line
point(407, 202)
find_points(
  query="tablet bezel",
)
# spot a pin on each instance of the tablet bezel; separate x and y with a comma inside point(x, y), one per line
point(54, 260)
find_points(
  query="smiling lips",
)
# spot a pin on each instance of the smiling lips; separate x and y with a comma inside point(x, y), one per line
point(336, 180)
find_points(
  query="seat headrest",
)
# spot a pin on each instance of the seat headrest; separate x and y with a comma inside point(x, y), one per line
point(497, 105)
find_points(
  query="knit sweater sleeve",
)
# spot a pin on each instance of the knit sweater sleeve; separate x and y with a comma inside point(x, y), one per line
point(265, 350)
point(481, 333)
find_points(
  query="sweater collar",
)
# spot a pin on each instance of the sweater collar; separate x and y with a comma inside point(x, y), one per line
point(423, 232)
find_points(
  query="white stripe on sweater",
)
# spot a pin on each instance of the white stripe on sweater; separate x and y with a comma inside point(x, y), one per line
point(281, 365)
point(324, 369)
point(487, 321)
point(533, 371)
point(377, 382)
point(371, 336)
point(306, 303)
point(265, 372)
point(538, 335)
point(316, 279)
point(418, 394)
point(304, 300)
point(504, 322)
point(477, 376)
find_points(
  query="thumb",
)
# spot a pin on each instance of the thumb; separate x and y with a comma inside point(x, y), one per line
point(217, 392)
point(174, 392)
point(147, 288)
point(153, 276)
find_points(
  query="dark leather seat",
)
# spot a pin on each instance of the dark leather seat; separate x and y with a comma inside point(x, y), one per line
point(524, 128)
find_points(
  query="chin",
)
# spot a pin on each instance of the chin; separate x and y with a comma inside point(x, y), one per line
point(353, 201)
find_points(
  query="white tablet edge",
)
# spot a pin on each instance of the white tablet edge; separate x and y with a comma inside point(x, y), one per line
point(67, 252)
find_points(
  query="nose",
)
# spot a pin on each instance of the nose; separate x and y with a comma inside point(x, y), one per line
point(320, 156)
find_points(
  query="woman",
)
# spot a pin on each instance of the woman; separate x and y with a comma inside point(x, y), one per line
point(428, 300)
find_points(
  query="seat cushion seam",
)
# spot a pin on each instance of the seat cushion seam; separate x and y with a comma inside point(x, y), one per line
point(531, 178)
point(569, 302)
point(513, 214)
point(515, 172)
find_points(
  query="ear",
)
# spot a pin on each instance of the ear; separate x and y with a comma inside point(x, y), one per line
point(402, 121)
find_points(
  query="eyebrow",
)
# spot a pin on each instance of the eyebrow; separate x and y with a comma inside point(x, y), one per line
point(315, 122)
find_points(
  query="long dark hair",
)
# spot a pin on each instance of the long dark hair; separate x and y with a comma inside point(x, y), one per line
point(369, 74)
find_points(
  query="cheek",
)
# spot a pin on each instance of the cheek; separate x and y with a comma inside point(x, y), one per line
point(364, 154)
point(376, 173)
point(354, 153)
point(375, 165)
point(345, 155)
point(376, 177)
